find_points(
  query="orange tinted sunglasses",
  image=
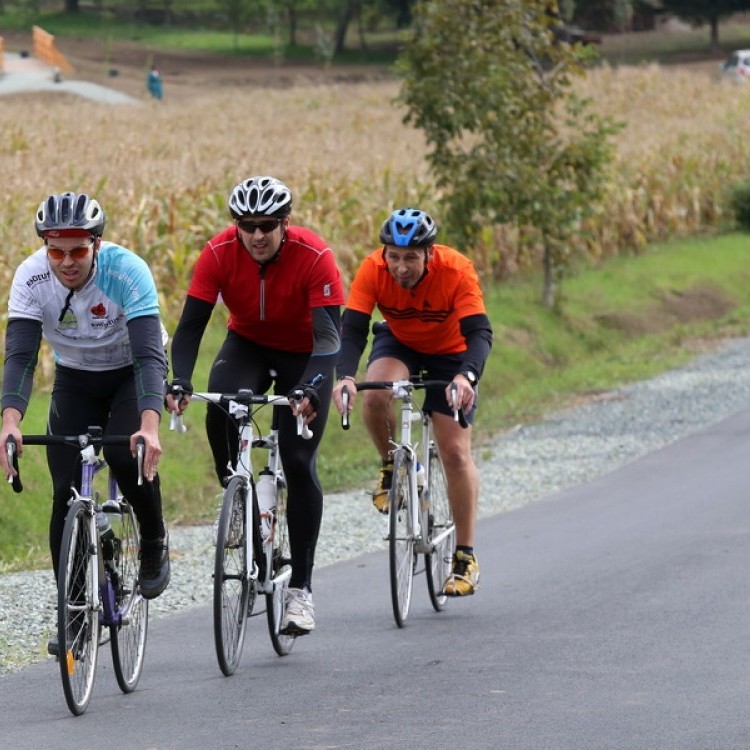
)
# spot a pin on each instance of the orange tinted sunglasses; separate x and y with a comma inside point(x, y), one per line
point(77, 253)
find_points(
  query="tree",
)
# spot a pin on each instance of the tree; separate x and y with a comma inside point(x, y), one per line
point(508, 141)
point(699, 12)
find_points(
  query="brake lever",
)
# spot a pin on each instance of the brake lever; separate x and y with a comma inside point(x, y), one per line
point(11, 450)
point(345, 402)
point(140, 452)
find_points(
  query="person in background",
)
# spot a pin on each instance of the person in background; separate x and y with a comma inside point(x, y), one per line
point(435, 324)
point(283, 290)
point(154, 83)
point(96, 304)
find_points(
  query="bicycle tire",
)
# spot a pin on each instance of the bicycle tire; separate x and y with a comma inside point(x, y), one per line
point(231, 579)
point(77, 616)
point(281, 570)
point(401, 553)
point(438, 563)
point(128, 639)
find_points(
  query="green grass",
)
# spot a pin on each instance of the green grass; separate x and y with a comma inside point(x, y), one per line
point(627, 320)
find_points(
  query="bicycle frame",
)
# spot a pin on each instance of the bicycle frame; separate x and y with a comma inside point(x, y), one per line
point(248, 561)
point(89, 586)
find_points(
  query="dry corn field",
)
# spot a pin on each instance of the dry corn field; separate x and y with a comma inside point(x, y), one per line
point(163, 171)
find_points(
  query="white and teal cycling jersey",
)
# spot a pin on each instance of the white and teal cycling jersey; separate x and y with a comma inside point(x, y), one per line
point(92, 334)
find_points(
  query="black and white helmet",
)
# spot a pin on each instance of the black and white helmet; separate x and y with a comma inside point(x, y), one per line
point(70, 211)
point(260, 196)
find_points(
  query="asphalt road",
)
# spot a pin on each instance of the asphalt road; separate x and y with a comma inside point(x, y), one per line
point(613, 615)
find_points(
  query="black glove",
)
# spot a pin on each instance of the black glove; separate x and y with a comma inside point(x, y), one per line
point(180, 387)
point(305, 390)
point(309, 391)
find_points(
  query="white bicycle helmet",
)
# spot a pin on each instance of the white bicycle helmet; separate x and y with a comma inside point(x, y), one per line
point(260, 196)
point(70, 211)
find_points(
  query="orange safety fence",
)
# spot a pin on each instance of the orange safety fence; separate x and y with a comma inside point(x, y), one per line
point(45, 49)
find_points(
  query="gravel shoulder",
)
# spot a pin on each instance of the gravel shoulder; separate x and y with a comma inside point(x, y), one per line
point(525, 464)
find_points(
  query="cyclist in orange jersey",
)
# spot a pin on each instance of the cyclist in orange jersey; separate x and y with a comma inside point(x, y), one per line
point(435, 324)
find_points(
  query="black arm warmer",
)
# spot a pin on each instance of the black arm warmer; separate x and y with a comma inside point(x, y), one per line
point(477, 330)
point(149, 361)
point(326, 342)
point(355, 326)
point(187, 338)
point(22, 340)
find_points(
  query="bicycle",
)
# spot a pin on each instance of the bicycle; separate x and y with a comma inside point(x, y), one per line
point(252, 539)
point(420, 521)
point(97, 583)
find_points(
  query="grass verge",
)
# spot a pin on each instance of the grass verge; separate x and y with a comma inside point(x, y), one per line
point(627, 320)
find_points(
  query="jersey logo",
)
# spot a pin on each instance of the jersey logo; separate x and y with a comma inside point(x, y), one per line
point(99, 311)
point(327, 290)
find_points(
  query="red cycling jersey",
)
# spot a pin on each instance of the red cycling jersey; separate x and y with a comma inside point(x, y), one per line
point(425, 318)
point(269, 304)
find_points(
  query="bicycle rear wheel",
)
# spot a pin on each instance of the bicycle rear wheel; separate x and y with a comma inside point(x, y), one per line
point(439, 527)
point(128, 638)
point(400, 540)
point(281, 571)
point(77, 618)
point(231, 580)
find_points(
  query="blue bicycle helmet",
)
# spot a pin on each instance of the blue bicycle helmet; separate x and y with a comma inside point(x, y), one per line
point(408, 227)
point(70, 211)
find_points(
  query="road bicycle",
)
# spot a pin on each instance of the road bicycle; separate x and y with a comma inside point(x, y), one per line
point(252, 539)
point(420, 521)
point(97, 585)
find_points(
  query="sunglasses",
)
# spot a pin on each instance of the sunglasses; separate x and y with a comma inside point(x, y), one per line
point(77, 253)
point(265, 226)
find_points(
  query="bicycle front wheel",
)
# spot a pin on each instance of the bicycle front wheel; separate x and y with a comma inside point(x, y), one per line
point(281, 571)
point(129, 637)
point(441, 533)
point(77, 616)
point(400, 540)
point(231, 579)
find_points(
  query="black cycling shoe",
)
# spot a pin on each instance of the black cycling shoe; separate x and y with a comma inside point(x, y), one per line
point(53, 646)
point(154, 574)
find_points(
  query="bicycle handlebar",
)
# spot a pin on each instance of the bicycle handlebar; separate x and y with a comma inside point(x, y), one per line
point(401, 389)
point(245, 398)
point(91, 438)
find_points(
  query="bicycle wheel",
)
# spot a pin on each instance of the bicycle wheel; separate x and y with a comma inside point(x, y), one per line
point(231, 581)
point(281, 571)
point(400, 540)
point(129, 637)
point(77, 617)
point(441, 533)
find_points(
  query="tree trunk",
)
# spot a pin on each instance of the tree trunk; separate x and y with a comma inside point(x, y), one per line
point(292, 25)
point(345, 16)
point(715, 34)
point(71, 6)
point(549, 291)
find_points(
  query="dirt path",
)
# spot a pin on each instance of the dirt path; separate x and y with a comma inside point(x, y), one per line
point(123, 66)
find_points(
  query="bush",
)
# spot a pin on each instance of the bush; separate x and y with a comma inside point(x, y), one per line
point(739, 204)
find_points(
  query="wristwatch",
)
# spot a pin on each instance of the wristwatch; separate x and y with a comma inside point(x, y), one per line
point(471, 376)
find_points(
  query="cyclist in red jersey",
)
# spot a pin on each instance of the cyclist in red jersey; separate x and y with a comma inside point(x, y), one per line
point(283, 290)
point(435, 323)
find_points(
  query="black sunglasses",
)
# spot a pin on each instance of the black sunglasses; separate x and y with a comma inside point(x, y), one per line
point(265, 226)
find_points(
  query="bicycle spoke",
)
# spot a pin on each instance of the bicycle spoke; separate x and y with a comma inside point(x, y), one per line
point(78, 622)
point(129, 636)
point(439, 527)
point(231, 582)
point(401, 541)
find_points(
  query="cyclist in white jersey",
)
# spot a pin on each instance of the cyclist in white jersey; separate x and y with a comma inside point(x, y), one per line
point(96, 305)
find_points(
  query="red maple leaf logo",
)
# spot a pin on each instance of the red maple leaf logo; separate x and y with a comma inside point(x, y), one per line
point(99, 311)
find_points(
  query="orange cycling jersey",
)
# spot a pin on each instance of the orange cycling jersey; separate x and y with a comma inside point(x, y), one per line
point(425, 318)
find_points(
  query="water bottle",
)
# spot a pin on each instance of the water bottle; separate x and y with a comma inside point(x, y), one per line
point(106, 535)
point(266, 491)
